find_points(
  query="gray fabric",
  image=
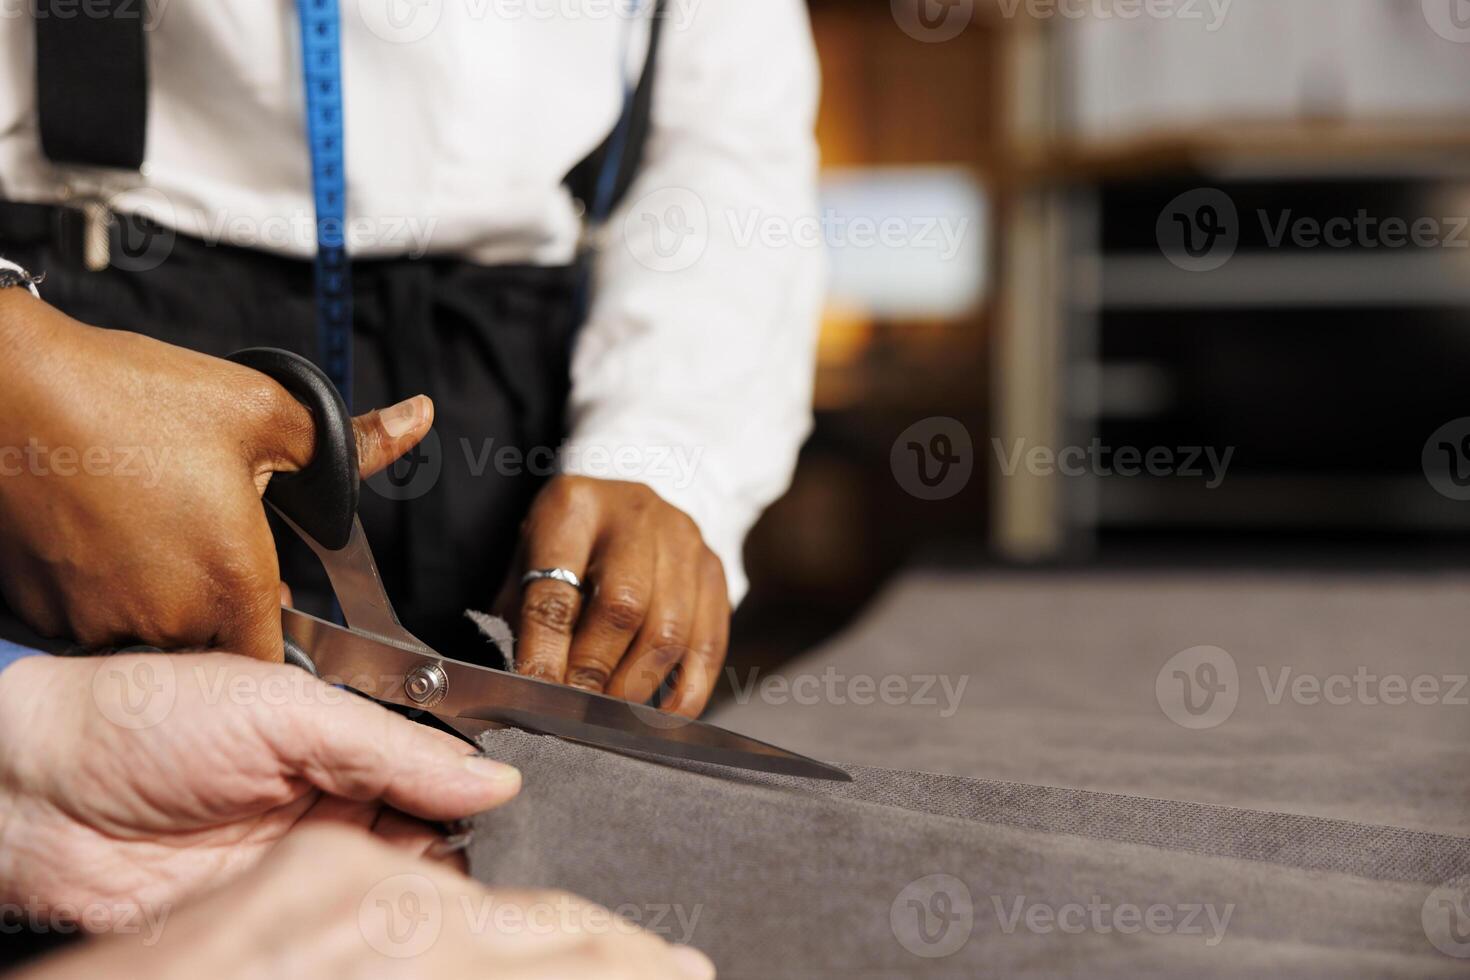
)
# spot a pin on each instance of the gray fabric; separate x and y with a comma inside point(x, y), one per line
point(1322, 829)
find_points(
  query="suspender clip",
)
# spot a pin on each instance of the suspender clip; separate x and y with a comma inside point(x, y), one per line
point(81, 231)
point(96, 243)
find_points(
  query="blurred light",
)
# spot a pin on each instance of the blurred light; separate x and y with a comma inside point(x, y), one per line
point(905, 243)
point(845, 338)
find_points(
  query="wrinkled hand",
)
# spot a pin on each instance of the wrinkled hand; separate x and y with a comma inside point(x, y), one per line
point(333, 903)
point(657, 597)
point(134, 780)
point(131, 473)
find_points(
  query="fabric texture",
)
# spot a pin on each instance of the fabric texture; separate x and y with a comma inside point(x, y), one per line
point(1067, 824)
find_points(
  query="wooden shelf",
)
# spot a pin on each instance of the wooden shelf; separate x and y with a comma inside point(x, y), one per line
point(1243, 143)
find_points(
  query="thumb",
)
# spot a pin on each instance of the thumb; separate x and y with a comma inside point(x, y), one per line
point(382, 435)
point(385, 435)
point(349, 747)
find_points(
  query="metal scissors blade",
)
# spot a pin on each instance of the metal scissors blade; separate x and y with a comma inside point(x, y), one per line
point(416, 677)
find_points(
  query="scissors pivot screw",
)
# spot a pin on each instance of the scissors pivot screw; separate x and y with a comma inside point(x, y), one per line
point(426, 685)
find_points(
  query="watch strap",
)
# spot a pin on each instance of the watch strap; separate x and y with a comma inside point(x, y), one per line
point(14, 275)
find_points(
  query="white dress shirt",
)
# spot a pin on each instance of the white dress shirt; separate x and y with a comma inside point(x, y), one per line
point(693, 372)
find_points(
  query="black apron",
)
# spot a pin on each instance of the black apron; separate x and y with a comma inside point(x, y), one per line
point(491, 345)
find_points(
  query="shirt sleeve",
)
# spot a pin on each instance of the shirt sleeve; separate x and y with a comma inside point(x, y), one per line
point(693, 373)
point(11, 652)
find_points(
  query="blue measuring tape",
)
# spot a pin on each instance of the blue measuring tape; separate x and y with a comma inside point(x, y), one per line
point(321, 48)
point(321, 60)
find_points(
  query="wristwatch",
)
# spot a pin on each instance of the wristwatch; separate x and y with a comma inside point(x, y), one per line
point(14, 275)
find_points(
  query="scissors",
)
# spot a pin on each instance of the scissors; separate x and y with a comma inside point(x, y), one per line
point(375, 655)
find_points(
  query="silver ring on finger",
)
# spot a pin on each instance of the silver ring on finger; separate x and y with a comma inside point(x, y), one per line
point(564, 575)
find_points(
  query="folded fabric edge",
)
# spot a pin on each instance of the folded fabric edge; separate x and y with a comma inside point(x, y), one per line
point(1370, 851)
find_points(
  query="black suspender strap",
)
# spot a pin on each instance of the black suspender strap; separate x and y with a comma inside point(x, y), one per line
point(92, 83)
point(631, 133)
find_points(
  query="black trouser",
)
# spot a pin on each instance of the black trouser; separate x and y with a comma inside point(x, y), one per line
point(491, 346)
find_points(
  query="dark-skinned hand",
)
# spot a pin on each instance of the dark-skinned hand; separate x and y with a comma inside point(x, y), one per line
point(655, 595)
point(131, 474)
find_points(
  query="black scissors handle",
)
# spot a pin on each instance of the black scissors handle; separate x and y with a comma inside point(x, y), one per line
point(320, 501)
point(322, 498)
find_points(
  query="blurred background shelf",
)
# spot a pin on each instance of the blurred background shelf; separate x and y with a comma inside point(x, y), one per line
point(1279, 147)
point(1276, 281)
point(1324, 368)
point(1061, 142)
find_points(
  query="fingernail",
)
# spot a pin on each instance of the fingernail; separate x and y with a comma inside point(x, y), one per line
point(496, 772)
point(401, 419)
point(692, 963)
point(539, 671)
point(587, 680)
